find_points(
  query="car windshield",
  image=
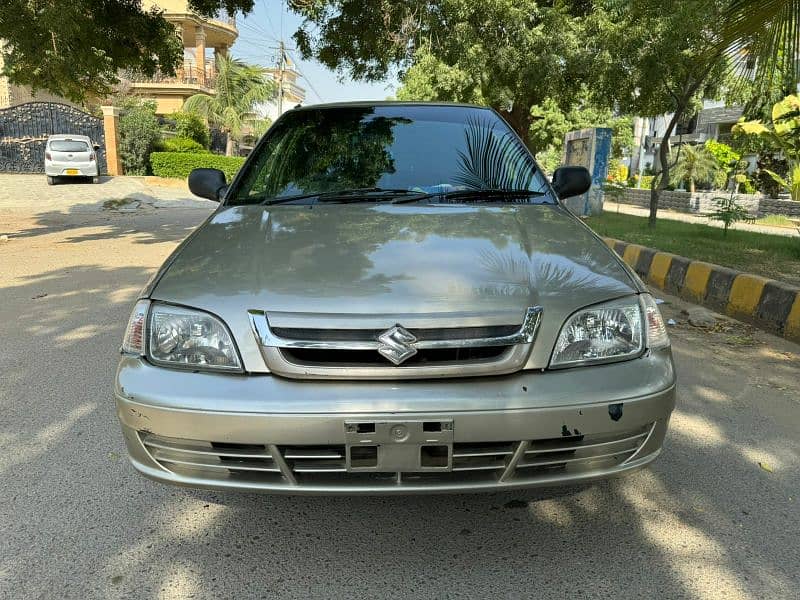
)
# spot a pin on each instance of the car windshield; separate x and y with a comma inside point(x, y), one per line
point(69, 146)
point(385, 151)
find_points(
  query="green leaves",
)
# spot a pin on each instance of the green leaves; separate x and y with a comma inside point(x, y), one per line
point(76, 49)
point(784, 136)
point(240, 89)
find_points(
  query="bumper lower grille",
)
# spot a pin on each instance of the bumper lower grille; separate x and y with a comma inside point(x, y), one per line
point(325, 466)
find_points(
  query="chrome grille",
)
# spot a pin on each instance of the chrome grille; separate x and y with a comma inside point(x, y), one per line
point(426, 349)
point(523, 461)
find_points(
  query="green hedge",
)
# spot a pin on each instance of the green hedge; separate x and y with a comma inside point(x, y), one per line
point(181, 144)
point(180, 164)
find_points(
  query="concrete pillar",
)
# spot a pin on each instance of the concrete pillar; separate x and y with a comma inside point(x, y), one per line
point(200, 54)
point(111, 129)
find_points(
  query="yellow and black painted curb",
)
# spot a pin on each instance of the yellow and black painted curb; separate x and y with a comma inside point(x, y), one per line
point(766, 303)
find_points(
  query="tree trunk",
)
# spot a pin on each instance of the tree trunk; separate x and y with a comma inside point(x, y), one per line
point(519, 117)
point(691, 185)
point(661, 181)
point(228, 145)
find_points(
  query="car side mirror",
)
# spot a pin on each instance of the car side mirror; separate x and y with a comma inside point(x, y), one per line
point(96, 147)
point(208, 183)
point(571, 181)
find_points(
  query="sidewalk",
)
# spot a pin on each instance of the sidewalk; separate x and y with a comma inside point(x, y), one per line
point(627, 209)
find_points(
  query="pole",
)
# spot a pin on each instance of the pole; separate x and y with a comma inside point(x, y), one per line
point(642, 137)
point(281, 54)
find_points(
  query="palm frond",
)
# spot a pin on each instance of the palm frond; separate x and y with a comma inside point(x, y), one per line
point(762, 38)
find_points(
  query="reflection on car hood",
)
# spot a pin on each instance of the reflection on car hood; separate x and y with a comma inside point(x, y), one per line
point(370, 259)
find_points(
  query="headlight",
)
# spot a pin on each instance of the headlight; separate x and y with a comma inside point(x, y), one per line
point(609, 332)
point(180, 337)
point(183, 337)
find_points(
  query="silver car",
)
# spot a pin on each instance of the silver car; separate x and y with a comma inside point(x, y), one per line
point(391, 299)
point(70, 156)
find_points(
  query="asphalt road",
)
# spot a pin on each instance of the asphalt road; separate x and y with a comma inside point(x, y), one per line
point(717, 516)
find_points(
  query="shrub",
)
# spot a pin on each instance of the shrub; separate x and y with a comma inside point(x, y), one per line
point(180, 164)
point(190, 125)
point(729, 211)
point(181, 144)
point(139, 134)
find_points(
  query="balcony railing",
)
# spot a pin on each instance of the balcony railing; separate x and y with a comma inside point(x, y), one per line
point(185, 75)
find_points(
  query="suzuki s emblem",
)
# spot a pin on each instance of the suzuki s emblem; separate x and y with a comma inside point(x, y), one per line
point(397, 344)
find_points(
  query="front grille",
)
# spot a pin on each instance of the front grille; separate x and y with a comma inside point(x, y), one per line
point(477, 463)
point(440, 333)
point(325, 350)
point(312, 357)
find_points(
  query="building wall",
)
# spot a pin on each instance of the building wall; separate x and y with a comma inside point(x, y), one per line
point(703, 202)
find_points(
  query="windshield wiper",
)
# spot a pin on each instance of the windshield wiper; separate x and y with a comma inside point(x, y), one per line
point(477, 195)
point(351, 195)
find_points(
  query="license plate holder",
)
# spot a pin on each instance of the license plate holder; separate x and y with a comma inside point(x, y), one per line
point(391, 446)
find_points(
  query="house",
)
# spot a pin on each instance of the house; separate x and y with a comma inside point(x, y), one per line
point(203, 41)
point(713, 122)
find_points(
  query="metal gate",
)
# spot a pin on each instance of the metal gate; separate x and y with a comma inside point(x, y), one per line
point(24, 129)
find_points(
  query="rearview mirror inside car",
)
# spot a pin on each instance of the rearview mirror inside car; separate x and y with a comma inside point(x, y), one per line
point(208, 183)
point(571, 181)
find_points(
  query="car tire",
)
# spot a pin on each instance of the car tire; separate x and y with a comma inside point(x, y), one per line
point(96, 179)
point(51, 180)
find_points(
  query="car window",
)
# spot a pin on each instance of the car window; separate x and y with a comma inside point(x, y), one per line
point(420, 148)
point(69, 146)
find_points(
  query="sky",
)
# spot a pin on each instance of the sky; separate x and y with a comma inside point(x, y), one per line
point(259, 33)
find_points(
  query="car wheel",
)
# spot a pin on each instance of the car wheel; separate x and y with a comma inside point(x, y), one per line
point(95, 179)
point(51, 180)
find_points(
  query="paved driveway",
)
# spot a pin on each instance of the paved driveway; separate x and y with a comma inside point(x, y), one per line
point(705, 521)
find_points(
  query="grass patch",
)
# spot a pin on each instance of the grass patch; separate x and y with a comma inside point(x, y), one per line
point(772, 256)
point(778, 221)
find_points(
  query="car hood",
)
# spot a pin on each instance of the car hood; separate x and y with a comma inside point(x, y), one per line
point(392, 260)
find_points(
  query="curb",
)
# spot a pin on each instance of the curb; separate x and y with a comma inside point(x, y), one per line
point(769, 304)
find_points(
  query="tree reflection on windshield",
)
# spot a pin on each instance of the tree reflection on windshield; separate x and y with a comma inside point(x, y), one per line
point(432, 149)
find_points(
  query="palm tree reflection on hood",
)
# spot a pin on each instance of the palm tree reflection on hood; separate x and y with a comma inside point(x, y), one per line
point(543, 275)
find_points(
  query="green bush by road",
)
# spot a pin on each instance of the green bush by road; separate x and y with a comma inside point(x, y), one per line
point(772, 256)
point(180, 164)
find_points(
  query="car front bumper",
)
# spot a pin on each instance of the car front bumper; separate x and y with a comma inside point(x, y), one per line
point(265, 433)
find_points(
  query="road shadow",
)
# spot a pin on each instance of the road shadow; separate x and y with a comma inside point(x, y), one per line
point(705, 521)
point(143, 218)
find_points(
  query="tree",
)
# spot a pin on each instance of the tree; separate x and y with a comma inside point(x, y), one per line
point(727, 160)
point(551, 124)
point(191, 126)
point(784, 134)
point(694, 164)
point(240, 89)
point(139, 134)
point(654, 59)
point(763, 38)
point(507, 54)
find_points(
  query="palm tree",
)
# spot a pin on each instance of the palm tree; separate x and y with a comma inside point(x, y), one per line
point(695, 163)
point(239, 90)
point(763, 38)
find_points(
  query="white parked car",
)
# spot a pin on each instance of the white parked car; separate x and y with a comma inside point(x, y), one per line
point(70, 156)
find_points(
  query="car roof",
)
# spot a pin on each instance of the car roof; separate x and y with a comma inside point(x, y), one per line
point(376, 103)
point(69, 136)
